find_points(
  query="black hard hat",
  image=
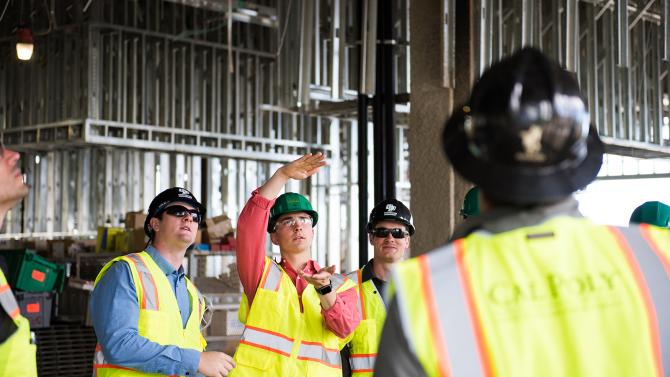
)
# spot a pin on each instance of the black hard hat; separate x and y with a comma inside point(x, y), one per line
point(391, 209)
point(525, 137)
point(165, 198)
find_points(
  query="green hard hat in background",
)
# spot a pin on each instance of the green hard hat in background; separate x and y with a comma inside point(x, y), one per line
point(471, 203)
point(288, 203)
point(655, 213)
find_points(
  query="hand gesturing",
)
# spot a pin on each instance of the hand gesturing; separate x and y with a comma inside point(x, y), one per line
point(319, 279)
point(305, 166)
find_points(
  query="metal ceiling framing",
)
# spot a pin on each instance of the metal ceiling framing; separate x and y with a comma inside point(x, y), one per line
point(125, 98)
point(618, 50)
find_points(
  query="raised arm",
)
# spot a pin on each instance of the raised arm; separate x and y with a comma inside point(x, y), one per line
point(253, 220)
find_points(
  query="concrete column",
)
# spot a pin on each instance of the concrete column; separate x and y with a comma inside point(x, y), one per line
point(437, 192)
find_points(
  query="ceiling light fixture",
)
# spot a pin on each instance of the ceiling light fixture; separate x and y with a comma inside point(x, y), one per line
point(24, 43)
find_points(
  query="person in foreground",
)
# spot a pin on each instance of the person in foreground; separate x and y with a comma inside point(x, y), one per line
point(531, 288)
point(17, 351)
point(146, 312)
point(389, 231)
point(297, 315)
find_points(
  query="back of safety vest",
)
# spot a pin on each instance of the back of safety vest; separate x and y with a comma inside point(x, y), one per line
point(566, 297)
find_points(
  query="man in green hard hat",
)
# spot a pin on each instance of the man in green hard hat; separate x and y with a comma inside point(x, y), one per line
point(654, 213)
point(297, 315)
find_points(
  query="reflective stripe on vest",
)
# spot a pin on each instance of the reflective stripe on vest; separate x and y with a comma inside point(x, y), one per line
point(356, 276)
point(267, 340)
point(455, 328)
point(283, 345)
point(99, 361)
point(652, 277)
point(317, 352)
point(362, 363)
point(8, 302)
point(336, 281)
point(150, 291)
point(272, 278)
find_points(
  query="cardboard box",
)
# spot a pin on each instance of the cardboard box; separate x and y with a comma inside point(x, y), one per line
point(136, 240)
point(130, 241)
point(59, 248)
point(218, 227)
point(225, 323)
point(105, 240)
point(135, 220)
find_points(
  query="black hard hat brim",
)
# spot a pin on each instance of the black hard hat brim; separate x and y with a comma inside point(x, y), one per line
point(510, 184)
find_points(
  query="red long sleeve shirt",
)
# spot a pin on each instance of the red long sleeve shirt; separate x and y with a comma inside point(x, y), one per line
point(342, 318)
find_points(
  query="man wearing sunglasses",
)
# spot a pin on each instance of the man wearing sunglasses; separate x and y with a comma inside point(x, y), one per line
point(297, 315)
point(389, 230)
point(146, 312)
point(17, 353)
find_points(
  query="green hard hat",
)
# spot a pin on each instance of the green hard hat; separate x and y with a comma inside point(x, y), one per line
point(471, 203)
point(288, 203)
point(655, 213)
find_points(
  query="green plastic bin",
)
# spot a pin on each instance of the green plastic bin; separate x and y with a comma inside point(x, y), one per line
point(31, 273)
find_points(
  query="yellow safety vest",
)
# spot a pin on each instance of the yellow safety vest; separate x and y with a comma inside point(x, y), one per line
point(279, 338)
point(365, 341)
point(159, 318)
point(17, 353)
point(563, 298)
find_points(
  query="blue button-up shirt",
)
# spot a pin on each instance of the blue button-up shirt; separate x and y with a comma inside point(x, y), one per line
point(115, 313)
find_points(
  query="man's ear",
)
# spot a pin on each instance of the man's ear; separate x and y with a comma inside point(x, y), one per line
point(154, 223)
point(370, 239)
point(273, 238)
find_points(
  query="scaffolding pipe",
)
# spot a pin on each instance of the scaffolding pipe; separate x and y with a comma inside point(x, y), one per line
point(448, 43)
point(622, 33)
point(527, 22)
point(572, 35)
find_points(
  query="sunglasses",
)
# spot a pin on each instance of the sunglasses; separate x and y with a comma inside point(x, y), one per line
point(384, 232)
point(181, 211)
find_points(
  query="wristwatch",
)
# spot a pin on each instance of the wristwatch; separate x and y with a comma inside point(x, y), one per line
point(325, 289)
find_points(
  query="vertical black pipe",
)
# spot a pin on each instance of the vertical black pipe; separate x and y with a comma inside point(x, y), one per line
point(385, 162)
point(362, 175)
point(362, 148)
